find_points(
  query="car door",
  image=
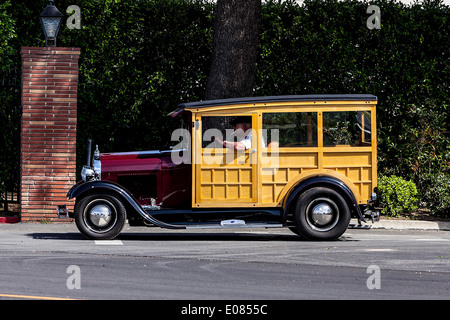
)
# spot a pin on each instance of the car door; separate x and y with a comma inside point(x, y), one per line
point(225, 176)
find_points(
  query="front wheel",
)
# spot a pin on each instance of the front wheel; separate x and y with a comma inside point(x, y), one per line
point(100, 216)
point(321, 214)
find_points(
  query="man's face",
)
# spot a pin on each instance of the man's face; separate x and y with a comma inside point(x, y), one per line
point(240, 129)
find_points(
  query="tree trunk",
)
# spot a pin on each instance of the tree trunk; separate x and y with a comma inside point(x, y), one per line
point(236, 30)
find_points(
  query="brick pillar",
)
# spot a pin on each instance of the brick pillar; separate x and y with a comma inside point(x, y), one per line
point(49, 128)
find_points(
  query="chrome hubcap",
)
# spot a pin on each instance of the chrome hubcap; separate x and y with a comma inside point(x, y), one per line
point(322, 214)
point(100, 215)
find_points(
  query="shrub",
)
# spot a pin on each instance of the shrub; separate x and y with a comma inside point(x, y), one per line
point(397, 195)
point(436, 193)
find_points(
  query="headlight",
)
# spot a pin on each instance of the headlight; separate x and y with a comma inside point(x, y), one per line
point(87, 174)
point(97, 164)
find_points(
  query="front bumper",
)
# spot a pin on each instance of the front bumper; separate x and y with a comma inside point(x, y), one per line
point(63, 212)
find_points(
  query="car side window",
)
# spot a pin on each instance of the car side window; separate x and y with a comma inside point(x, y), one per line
point(290, 129)
point(347, 128)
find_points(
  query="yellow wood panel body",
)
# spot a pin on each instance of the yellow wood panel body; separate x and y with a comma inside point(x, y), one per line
point(264, 178)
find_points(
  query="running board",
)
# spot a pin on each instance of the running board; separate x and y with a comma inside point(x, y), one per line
point(233, 223)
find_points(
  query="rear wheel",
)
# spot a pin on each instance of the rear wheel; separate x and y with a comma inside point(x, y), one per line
point(321, 214)
point(100, 216)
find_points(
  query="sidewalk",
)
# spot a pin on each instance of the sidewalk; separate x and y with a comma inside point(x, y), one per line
point(403, 224)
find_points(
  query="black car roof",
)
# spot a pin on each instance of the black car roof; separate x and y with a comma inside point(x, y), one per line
point(286, 98)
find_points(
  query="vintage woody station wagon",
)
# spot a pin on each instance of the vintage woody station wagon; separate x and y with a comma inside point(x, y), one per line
point(304, 162)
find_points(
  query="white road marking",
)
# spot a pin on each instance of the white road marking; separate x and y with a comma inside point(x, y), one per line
point(432, 239)
point(109, 242)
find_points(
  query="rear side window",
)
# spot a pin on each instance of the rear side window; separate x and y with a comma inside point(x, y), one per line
point(290, 129)
point(350, 128)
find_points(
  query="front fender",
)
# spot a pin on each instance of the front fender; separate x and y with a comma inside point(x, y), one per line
point(91, 187)
point(82, 187)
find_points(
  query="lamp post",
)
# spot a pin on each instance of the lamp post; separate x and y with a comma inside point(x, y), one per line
point(51, 21)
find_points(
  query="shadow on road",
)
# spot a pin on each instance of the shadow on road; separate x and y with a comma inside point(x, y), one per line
point(56, 236)
point(184, 236)
point(207, 236)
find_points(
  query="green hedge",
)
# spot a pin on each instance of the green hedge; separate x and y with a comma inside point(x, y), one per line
point(397, 195)
point(140, 59)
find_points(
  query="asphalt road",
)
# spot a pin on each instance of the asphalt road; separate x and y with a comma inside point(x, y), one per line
point(39, 261)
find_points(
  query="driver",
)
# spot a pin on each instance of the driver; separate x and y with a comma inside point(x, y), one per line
point(242, 130)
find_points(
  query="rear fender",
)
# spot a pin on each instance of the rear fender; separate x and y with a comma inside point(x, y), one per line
point(91, 187)
point(324, 181)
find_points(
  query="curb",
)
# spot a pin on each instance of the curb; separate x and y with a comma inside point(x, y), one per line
point(407, 225)
point(382, 224)
point(9, 219)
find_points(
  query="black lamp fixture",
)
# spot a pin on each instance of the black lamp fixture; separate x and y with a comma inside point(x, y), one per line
point(51, 21)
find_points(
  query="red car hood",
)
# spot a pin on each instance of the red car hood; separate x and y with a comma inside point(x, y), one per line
point(131, 161)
